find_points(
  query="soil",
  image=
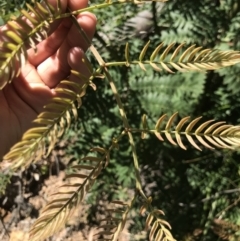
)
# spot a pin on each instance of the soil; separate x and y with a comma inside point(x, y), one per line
point(29, 191)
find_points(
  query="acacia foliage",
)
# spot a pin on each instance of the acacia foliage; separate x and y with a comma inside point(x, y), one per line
point(190, 185)
point(183, 188)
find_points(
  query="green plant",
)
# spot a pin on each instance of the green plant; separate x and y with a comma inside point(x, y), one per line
point(51, 126)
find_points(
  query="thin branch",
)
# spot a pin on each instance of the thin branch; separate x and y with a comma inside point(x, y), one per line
point(214, 196)
point(119, 103)
point(229, 207)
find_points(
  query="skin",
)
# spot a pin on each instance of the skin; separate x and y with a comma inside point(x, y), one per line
point(23, 99)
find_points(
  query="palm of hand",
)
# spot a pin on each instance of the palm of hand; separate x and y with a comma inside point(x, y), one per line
point(24, 98)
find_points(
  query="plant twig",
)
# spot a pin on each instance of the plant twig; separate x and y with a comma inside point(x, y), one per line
point(119, 103)
point(127, 129)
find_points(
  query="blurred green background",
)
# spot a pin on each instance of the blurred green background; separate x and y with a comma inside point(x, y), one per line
point(198, 191)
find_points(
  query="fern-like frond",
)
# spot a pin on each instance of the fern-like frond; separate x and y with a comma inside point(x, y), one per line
point(177, 58)
point(23, 32)
point(158, 230)
point(69, 195)
point(50, 124)
point(114, 223)
point(210, 134)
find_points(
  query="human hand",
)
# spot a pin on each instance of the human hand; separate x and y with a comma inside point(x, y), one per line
point(23, 99)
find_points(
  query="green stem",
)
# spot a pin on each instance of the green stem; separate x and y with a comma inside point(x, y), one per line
point(124, 219)
point(117, 97)
point(119, 103)
point(110, 64)
point(127, 128)
point(86, 39)
point(174, 132)
point(92, 8)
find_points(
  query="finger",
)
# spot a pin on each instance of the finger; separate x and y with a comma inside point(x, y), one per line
point(71, 4)
point(76, 4)
point(76, 56)
point(16, 117)
point(49, 46)
point(52, 27)
point(56, 67)
point(56, 33)
point(31, 89)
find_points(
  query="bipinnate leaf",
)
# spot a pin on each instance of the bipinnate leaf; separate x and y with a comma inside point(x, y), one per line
point(20, 33)
point(157, 226)
point(210, 134)
point(51, 124)
point(55, 215)
point(172, 58)
point(114, 222)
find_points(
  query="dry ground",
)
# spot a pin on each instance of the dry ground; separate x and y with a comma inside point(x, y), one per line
point(29, 192)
